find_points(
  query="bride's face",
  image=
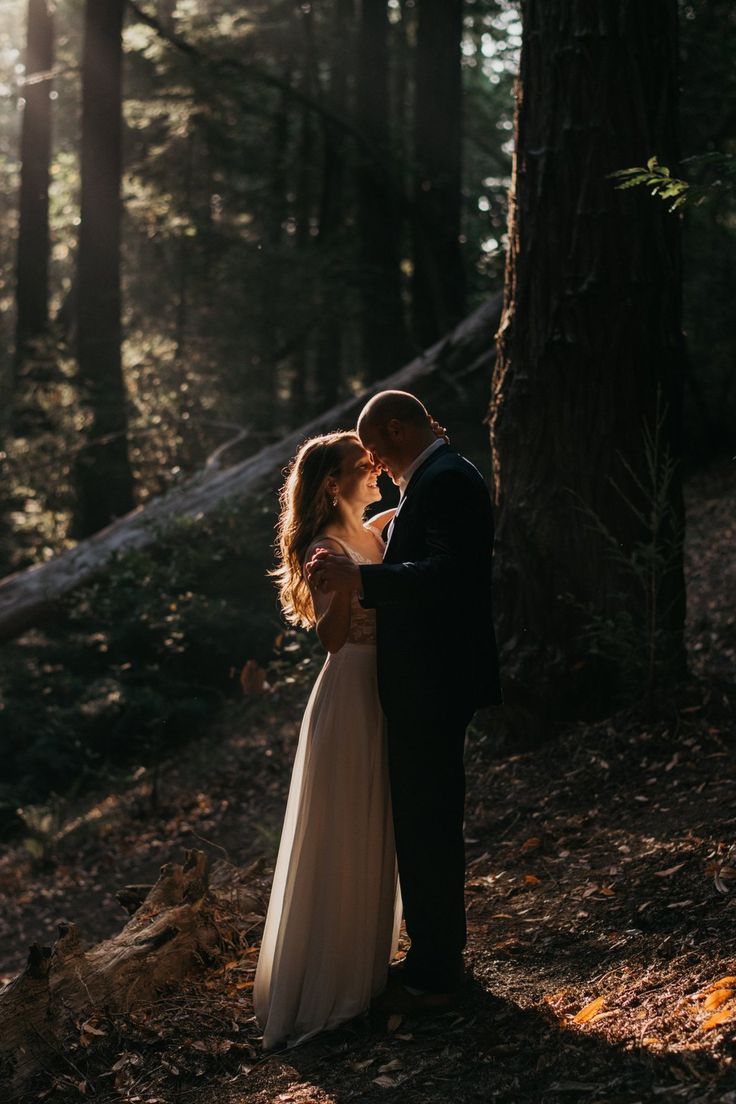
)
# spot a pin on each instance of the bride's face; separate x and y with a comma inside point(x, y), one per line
point(357, 483)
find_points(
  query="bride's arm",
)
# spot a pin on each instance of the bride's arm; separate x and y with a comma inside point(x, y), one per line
point(331, 608)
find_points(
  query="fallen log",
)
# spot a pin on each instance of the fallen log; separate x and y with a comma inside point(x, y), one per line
point(29, 596)
point(178, 927)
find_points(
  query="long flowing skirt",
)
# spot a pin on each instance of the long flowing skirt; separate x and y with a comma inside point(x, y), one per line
point(335, 908)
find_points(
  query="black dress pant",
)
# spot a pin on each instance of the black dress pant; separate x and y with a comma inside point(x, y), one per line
point(425, 755)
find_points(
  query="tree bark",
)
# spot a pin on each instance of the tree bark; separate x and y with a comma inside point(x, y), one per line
point(438, 283)
point(331, 216)
point(590, 336)
point(31, 595)
point(383, 335)
point(304, 206)
point(177, 927)
point(32, 284)
point(102, 473)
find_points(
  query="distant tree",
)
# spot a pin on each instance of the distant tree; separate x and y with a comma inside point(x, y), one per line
point(304, 205)
point(332, 212)
point(32, 284)
point(438, 284)
point(588, 385)
point(102, 471)
point(383, 332)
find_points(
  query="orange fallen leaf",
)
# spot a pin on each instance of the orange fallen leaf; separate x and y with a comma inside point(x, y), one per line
point(718, 1018)
point(252, 677)
point(717, 998)
point(532, 879)
point(551, 997)
point(722, 983)
point(608, 891)
point(587, 1013)
point(531, 843)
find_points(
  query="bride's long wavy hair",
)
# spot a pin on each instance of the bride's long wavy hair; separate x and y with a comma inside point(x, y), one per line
point(306, 508)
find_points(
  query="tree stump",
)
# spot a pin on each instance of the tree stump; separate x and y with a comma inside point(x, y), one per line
point(177, 927)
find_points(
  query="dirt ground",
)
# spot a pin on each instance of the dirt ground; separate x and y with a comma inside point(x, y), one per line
point(601, 898)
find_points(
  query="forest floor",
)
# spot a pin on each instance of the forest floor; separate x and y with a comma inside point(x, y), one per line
point(601, 899)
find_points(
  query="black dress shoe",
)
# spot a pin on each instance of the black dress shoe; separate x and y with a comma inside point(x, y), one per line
point(397, 998)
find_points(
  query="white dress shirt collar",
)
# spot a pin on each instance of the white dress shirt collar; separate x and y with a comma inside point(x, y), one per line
point(408, 472)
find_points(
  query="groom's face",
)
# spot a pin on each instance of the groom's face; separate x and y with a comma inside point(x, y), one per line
point(387, 447)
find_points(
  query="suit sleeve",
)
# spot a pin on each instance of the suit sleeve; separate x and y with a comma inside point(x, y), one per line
point(458, 536)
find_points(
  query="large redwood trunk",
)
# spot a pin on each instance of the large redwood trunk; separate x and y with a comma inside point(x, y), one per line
point(590, 335)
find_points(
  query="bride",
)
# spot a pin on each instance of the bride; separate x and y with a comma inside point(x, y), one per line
point(335, 908)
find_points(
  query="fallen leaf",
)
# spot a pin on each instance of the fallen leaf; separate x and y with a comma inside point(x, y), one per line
point(394, 1064)
point(531, 843)
point(717, 998)
point(670, 870)
point(384, 1082)
point(532, 879)
point(722, 983)
point(395, 1020)
point(718, 1018)
point(554, 996)
point(252, 678)
point(586, 1014)
point(90, 1028)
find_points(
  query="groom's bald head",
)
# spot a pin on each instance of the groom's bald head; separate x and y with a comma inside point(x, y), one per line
point(395, 428)
point(389, 406)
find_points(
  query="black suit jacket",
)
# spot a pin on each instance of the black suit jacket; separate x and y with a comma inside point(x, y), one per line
point(436, 646)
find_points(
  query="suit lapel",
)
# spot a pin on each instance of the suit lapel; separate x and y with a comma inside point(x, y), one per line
point(411, 486)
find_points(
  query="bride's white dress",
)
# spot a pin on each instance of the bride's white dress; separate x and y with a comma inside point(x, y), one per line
point(335, 908)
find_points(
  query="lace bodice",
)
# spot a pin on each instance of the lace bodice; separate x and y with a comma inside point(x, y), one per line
point(362, 621)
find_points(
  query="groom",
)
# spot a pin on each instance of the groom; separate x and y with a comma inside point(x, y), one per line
point(437, 663)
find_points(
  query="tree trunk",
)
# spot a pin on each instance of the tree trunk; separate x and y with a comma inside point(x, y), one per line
point(31, 595)
point(32, 285)
point(438, 284)
point(331, 216)
point(304, 208)
point(383, 338)
point(179, 926)
point(103, 477)
point(271, 285)
point(590, 336)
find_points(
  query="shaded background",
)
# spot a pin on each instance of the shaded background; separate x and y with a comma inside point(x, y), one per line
point(298, 221)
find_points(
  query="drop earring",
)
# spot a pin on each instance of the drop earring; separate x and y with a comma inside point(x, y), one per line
point(334, 500)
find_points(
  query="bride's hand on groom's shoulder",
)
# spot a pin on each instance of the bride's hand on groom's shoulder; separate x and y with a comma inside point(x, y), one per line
point(437, 429)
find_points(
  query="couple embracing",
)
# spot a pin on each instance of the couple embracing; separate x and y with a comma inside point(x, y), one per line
point(374, 818)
